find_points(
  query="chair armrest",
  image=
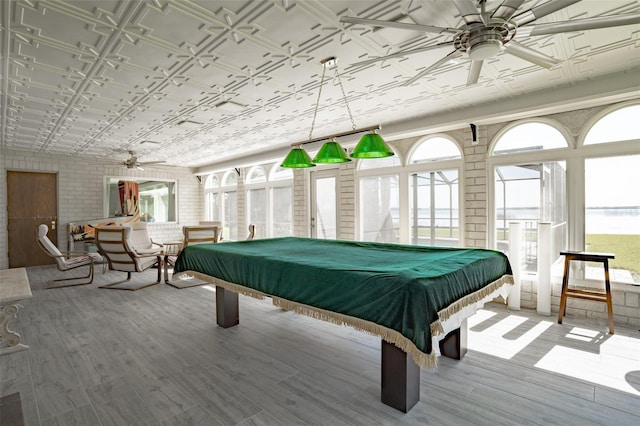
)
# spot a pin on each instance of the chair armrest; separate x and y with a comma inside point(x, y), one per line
point(149, 252)
point(66, 254)
point(154, 243)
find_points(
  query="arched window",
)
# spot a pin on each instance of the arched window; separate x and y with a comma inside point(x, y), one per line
point(533, 136)
point(611, 198)
point(221, 202)
point(435, 149)
point(434, 213)
point(280, 173)
point(619, 125)
point(380, 199)
point(530, 190)
point(212, 181)
point(256, 174)
point(230, 178)
point(270, 201)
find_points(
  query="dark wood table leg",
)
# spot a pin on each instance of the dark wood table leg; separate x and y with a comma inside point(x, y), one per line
point(227, 312)
point(400, 378)
point(607, 287)
point(562, 309)
point(454, 344)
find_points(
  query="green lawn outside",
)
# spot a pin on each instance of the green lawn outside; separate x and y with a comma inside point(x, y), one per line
point(625, 247)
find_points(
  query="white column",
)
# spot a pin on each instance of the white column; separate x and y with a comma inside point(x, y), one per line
point(514, 259)
point(544, 268)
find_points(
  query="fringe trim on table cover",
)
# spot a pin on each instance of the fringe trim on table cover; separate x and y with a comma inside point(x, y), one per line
point(422, 359)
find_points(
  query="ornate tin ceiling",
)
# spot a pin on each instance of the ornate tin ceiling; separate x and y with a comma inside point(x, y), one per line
point(200, 81)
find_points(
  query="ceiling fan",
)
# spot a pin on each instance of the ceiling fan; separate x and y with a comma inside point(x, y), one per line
point(133, 163)
point(485, 33)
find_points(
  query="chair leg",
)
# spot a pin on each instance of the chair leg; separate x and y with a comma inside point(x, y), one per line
point(89, 276)
point(126, 285)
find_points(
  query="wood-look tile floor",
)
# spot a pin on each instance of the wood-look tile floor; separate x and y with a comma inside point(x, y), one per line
point(156, 357)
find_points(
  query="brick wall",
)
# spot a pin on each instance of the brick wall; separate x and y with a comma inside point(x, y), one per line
point(347, 201)
point(81, 191)
point(475, 188)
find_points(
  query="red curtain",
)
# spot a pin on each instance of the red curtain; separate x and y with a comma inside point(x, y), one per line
point(129, 198)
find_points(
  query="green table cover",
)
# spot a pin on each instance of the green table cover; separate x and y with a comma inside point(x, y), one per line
point(400, 288)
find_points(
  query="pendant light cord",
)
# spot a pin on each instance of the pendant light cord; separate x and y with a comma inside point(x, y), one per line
point(315, 112)
point(344, 97)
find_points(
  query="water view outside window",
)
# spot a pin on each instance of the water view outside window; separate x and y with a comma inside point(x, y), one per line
point(612, 213)
point(434, 212)
point(531, 193)
point(379, 209)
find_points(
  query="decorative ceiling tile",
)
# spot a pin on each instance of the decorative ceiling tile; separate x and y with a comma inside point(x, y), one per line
point(95, 77)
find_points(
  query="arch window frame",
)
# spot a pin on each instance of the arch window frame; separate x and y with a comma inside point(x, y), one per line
point(404, 171)
point(574, 156)
point(270, 184)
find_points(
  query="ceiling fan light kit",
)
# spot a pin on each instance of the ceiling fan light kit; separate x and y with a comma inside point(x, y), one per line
point(371, 145)
point(133, 163)
point(485, 34)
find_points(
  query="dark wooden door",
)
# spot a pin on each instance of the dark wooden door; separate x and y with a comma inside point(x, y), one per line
point(31, 200)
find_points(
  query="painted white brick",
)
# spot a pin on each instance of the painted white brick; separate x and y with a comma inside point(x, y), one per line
point(632, 301)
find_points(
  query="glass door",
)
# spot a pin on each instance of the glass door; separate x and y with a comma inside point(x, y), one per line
point(324, 204)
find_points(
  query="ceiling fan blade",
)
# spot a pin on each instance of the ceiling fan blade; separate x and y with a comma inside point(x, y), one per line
point(400, 25)
point(474, 72)
point(533, 56)
point(585, 24)
point(146, 163)
point(432, 67)
point(468, 11)
point(543, 10)
point(403, 53)
point(507, 9)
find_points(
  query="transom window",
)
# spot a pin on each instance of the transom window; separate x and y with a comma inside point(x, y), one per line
point(435, 149)
point(619, 125)
point(533, 136)
point(270, 200)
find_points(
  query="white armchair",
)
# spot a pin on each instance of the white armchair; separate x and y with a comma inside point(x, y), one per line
point(68, 260)
point(128, 250)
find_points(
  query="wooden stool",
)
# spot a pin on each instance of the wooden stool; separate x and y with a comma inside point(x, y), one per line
point(584, 294)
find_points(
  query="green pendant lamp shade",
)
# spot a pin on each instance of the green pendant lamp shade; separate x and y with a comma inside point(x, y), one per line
point(331, 153)
point(372, 145)
point(297, 159)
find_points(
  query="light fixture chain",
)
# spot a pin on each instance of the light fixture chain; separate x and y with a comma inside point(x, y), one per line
point(315, 112)
point(344, 97)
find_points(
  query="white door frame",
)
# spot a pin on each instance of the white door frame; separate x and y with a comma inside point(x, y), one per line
point(313, 220)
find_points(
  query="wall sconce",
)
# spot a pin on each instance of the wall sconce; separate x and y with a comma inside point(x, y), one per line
point(474, 134)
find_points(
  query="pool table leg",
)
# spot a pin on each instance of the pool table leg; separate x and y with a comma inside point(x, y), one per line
point(454, 344)
point(400, 378)
point(227, 312)
point(401, 375)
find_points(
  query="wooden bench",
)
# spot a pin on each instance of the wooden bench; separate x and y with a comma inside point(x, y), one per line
point(585, 294)
point(14, 286)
